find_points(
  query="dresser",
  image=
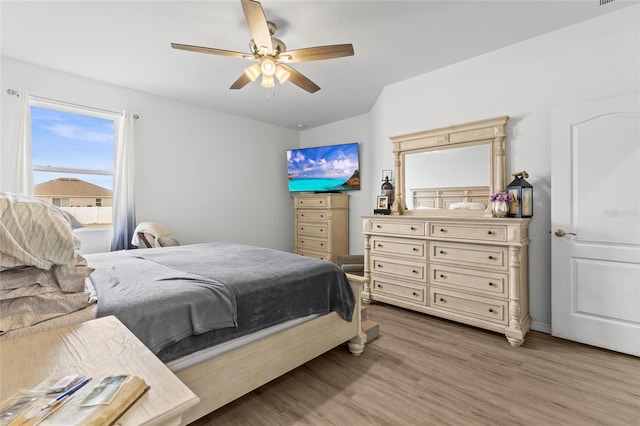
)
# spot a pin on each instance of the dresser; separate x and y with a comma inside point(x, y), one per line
point(321, 225)
point(473, 271)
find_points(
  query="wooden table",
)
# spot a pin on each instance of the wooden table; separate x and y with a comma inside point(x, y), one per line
point(96, 348)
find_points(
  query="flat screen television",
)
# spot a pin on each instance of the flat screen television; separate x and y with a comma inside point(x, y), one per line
point(331, 168)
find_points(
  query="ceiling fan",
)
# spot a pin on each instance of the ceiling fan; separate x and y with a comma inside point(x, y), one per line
point(270, 53)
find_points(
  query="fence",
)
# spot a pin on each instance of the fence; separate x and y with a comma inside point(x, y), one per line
point(92, 215)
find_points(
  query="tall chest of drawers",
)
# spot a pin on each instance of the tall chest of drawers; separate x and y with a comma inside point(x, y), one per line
point(321, 225)
point(474, 271)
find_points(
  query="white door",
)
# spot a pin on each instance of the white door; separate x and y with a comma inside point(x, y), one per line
point(595, 219)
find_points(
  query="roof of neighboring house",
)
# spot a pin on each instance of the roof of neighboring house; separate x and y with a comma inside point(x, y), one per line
point(70, 187)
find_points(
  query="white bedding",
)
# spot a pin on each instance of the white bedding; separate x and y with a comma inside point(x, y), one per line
point(34, 233)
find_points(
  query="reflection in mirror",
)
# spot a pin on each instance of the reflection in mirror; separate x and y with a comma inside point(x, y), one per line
point(451, 170)
point(446, 168)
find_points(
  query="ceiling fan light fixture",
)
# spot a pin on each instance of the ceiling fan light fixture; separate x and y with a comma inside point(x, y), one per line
point(268, 66)
point(281, 74)
point(267, 81)
point(253, 72)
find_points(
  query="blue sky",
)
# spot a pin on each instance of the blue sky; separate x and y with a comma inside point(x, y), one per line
point(335, 161)
point(63, 139)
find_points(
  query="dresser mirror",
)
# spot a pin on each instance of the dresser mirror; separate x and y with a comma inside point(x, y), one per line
point(450, 170)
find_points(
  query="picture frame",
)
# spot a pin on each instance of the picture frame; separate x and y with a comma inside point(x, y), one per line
point(383, 202)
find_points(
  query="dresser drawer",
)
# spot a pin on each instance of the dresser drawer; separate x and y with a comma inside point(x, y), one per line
point(313, 229)
point(402, 247)
point(398, 227)
point(315, 254)
point(312, 243)
point(469, 255)
point(481, 282)
point(313, 202)
point(407, 291)
point(468, 232)
point(399, 268)
point(469, 305)
point(318, 215)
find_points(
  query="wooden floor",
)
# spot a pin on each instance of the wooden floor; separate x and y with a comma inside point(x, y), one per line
point(428, 371)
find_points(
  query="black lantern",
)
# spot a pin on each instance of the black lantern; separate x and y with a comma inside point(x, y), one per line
point(522, 192)
point(387, 190)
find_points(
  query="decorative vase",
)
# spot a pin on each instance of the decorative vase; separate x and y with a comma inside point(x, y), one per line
point(500, 208)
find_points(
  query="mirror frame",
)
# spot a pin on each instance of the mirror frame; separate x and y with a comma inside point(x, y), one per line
point(491, 131)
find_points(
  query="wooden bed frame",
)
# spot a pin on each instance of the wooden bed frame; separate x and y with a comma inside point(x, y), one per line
point(227, 377)
point(443, 198)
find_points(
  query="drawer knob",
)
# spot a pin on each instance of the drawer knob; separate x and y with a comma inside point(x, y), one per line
point(301, 241)
point(443, 276)
point(414, 293)
point(414, 271)
point(379, 266)
point(415, 249)
point(442, 252)
point(321, 244)
point(321, 215)
point(442, 300)
point(490, 284)
point(379, 245)
point(489, 232)
point(302, 228)
point(379, 285)
point(443, 230)
point(413, 228)
point(490, 310)
point(491, 257)
point(379, 226)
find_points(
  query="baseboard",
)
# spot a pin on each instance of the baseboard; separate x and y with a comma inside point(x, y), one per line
point(542, 327)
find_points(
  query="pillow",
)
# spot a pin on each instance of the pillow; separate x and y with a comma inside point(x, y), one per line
point(168, 241)
point(467, 206)
point(75, 223)
point(34, 233)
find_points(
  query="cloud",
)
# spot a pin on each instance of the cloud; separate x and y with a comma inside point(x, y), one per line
point(71, 131)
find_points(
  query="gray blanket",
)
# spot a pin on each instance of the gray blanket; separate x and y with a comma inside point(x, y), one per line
point(256, 287)
point(160, 304)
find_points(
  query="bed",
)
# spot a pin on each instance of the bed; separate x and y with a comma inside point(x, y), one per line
point(449, 198)
point(274, 310)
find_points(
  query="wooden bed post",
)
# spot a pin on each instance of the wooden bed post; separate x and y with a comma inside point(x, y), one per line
point(356, 344)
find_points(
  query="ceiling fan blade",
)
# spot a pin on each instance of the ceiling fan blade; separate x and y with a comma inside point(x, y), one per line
point(317, 53)
point(300, 80)
point(257, 22)
point(242, 81)
point(210, 50)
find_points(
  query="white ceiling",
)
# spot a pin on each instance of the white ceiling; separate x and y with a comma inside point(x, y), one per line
point(128, 44)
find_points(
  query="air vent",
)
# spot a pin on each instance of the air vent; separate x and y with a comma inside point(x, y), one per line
point(603, 2)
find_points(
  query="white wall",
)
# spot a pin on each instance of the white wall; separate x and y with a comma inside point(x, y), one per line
point(193, 154)
point(592, 60)
point(206, 175)
point(595, 59)
point(356, 129)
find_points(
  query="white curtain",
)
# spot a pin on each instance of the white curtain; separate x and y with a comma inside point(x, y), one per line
point(124, 217)
point(22, 180)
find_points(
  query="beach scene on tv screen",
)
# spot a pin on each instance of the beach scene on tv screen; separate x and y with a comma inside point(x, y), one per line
point(324, 169)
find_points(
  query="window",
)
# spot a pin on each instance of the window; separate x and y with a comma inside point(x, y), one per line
point(60, 202)
point(72, 158)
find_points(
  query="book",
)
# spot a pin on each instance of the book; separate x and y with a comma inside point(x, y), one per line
point(99, 404)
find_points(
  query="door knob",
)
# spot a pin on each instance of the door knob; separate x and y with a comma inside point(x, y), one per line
point(560, 232)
